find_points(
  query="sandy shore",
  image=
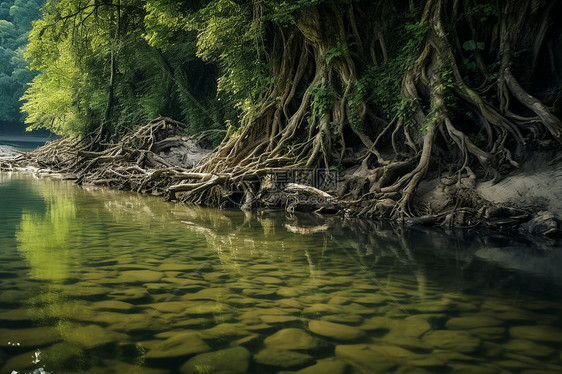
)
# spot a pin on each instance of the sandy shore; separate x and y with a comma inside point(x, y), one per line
point(7, 151)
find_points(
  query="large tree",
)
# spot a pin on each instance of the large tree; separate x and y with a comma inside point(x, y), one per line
point(393, 91)
point(402, 88)
point(98, 71)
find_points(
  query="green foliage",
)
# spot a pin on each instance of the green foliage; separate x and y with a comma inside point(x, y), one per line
point(50, 99)
point(339, 50)
point(203, 62)
point(482, 12)
point(472, 46)
point(323, 99)
point(405, 111)
point(235, 35)
point(447, 81)
point(69, 96)
point(283, 12)
point(552, 97)
point(355, 101)
point(382, 85)
point(8, 33)
point(229, 34)
point(15, 22)
point(448, 86)
point(478, 139)
point(414, 33)
point(118, 64)
point(163, 20)
point(430, 119)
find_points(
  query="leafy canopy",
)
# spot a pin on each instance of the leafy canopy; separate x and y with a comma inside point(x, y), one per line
point(117, 64)
point(16, 18)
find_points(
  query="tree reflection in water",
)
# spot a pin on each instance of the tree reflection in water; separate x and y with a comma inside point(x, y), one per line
point(43, 237)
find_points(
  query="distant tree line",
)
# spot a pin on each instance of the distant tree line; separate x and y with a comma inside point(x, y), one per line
point(16, 17)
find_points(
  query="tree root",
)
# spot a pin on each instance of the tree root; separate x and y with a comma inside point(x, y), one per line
point(309, 120)
point(127, 163)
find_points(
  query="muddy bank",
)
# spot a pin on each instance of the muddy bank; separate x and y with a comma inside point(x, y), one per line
point(537, 185)
point(157, 159)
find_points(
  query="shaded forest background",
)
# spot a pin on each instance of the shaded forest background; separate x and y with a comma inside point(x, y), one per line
point(16, 17)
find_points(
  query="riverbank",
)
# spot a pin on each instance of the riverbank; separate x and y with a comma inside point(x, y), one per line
point(157, 159)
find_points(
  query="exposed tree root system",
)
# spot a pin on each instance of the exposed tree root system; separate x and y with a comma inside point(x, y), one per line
point(134, 163)
point(458, 123)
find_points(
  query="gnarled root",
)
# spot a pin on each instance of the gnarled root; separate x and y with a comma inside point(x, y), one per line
point(130, 162)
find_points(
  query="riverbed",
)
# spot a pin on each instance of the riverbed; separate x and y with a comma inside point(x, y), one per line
point(101, 281)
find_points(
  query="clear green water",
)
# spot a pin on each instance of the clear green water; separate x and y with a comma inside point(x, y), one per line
point(101, 281)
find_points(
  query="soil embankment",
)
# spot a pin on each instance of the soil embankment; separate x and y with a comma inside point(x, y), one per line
point(537, 185)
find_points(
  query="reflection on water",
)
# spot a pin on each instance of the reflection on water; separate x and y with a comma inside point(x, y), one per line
point(108, 282)
point(44, 238)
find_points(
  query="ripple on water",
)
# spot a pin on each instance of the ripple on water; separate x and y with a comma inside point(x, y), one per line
point(127, 288)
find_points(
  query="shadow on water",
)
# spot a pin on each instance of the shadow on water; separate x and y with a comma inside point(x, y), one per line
point(108, 280)
point(463, 258)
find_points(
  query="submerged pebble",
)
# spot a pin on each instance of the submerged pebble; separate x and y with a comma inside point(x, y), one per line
point(536, 333)
point(180, 344)
point(226, 361)
point(208, 301)
point(335, 331)
point(87, 337)
point(365, 358)
point(283, 359)
point(458, 341)
point(292, 339)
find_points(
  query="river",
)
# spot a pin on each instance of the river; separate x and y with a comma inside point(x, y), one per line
point(22, 142)
point(101, 281)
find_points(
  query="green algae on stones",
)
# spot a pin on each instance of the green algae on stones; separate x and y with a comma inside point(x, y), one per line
point(326, 366)
point(335, 330)
point(179, 345)
point(538, 333)
point(283, 359)
point(364, 358)
point(528, 348)
point(140, 276)
point(226, 361)
point(29, 338)
point(292, 339)
point(459, 341)
point(472, 322)
point(88, 337)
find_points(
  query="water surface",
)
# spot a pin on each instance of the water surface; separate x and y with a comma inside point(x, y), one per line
point(100, 281)
point(23, 142)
